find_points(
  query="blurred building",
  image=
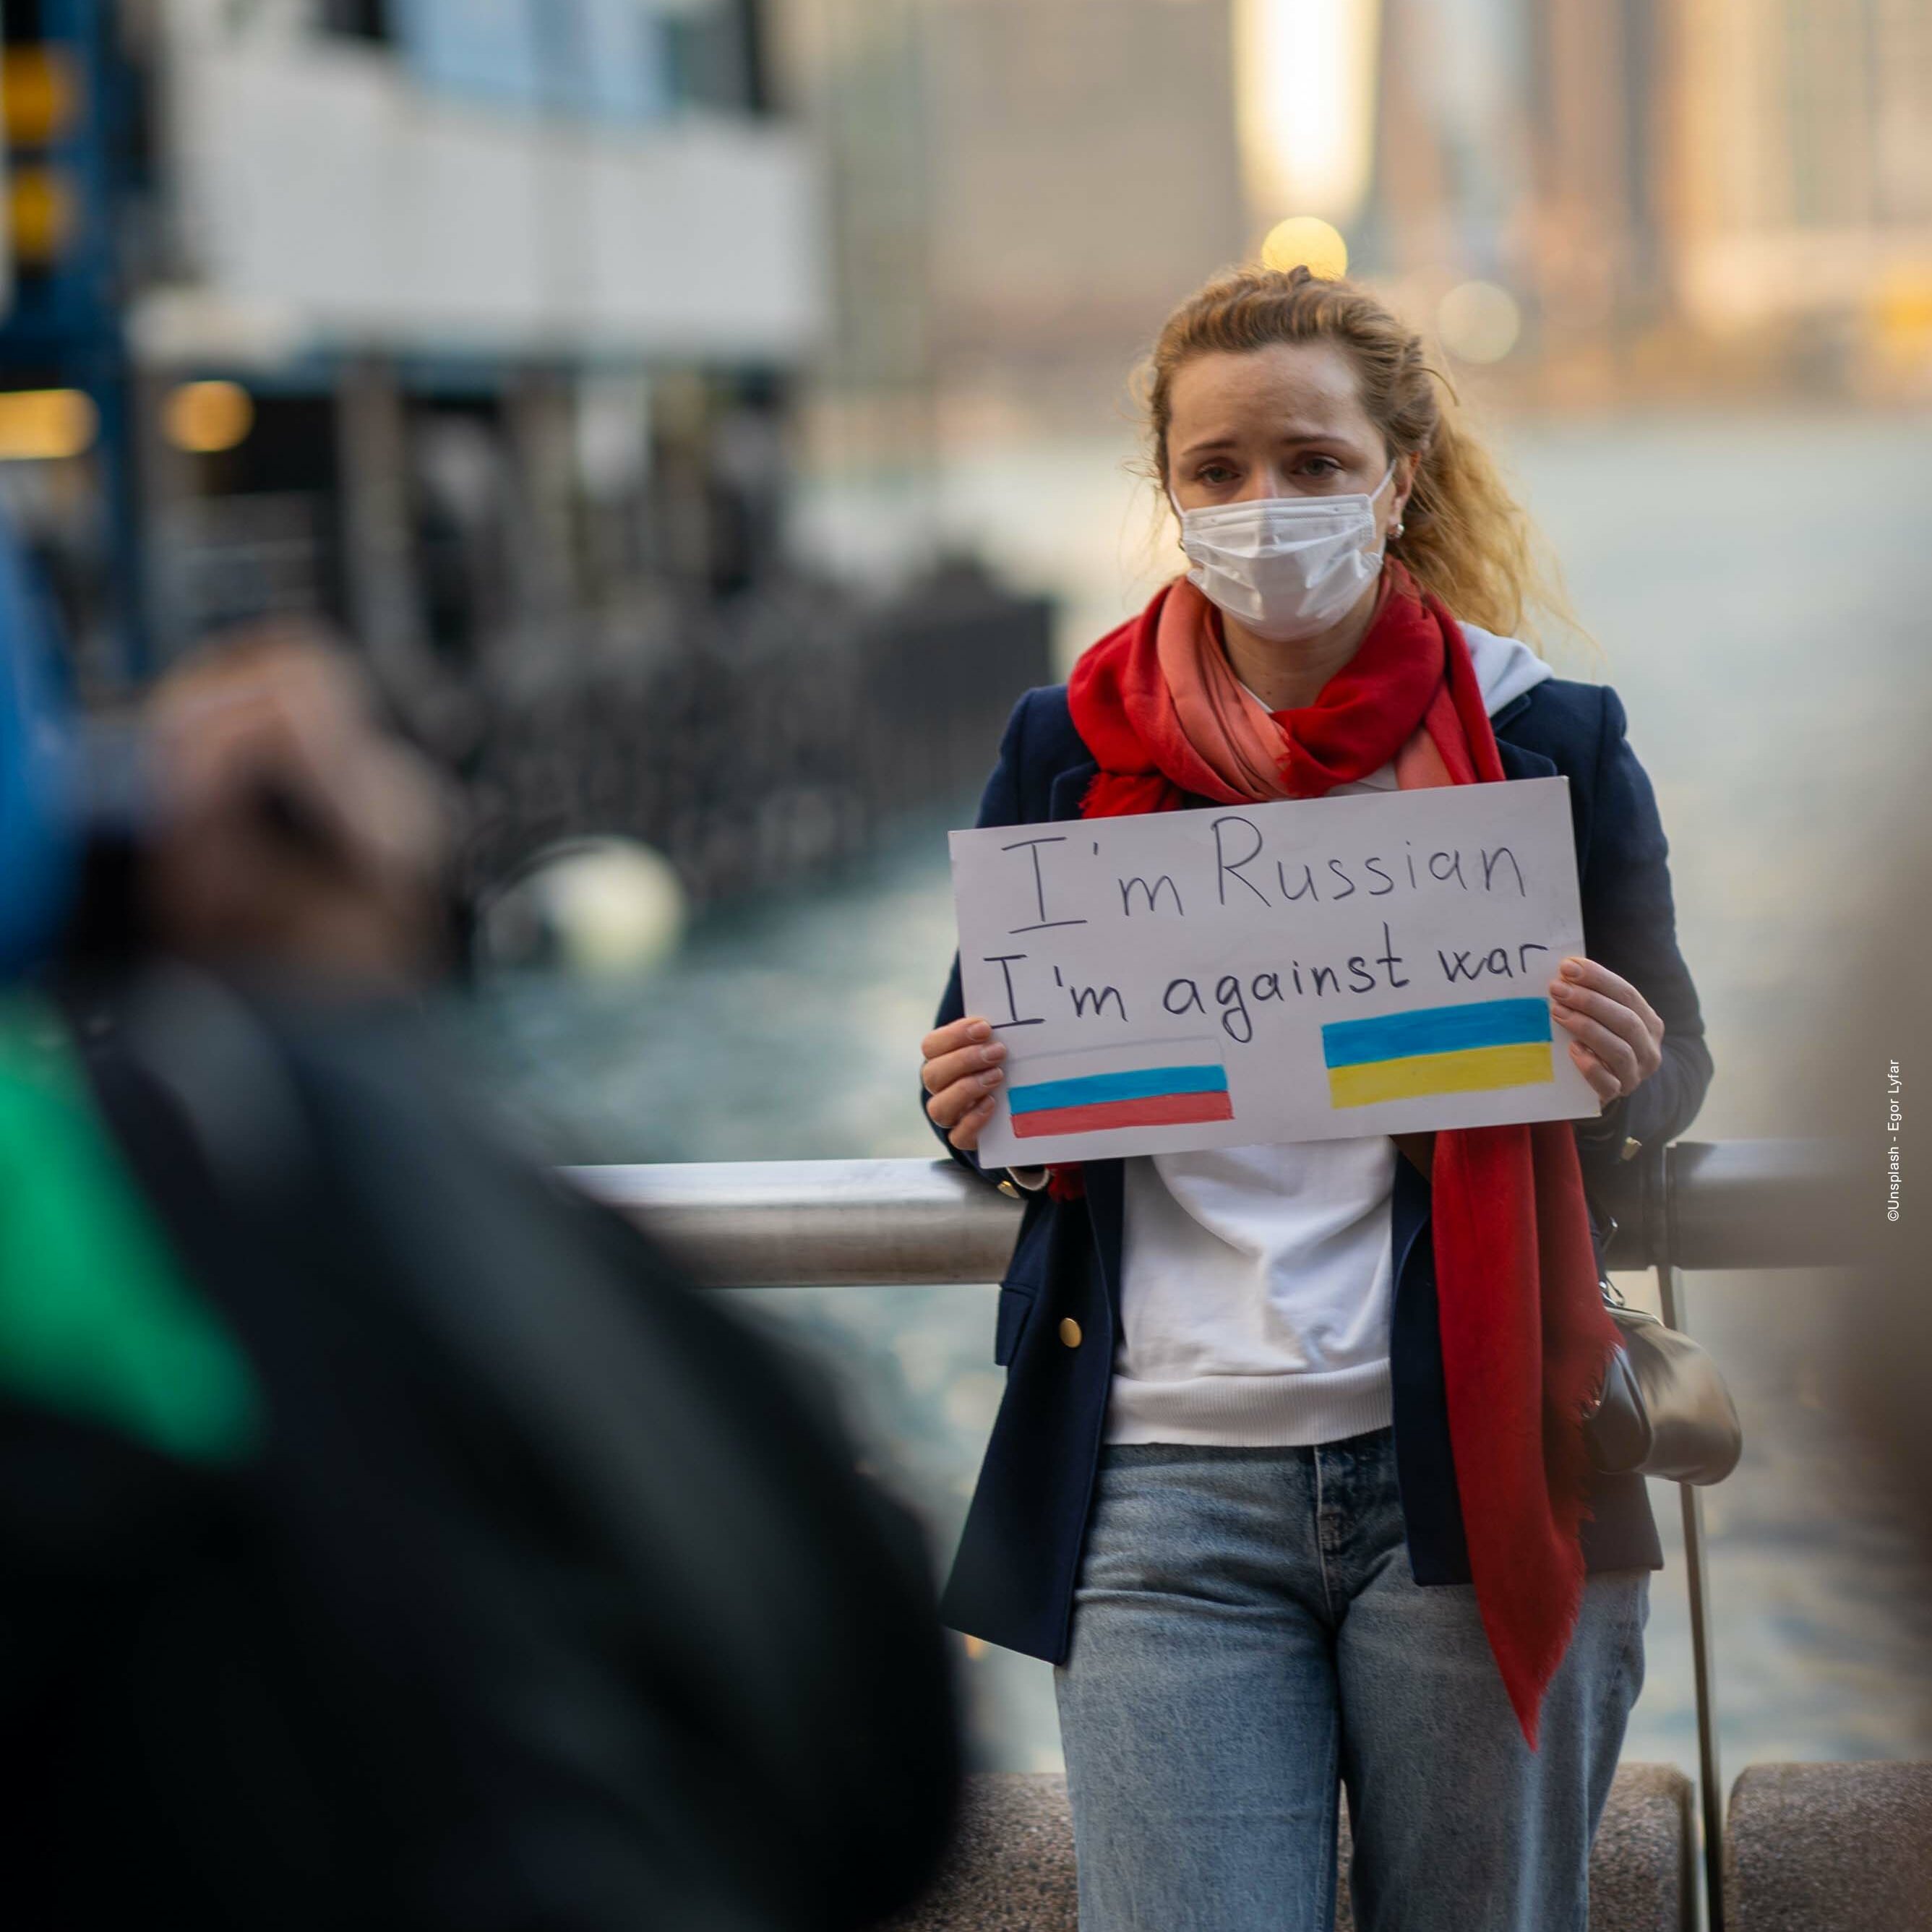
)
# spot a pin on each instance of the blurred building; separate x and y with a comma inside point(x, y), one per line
point(1023, 187)
point(411, 312)
point(1087, 178)
point(1678, 194)
point(1519, 145)
point(476, 326)
point(1801, 201)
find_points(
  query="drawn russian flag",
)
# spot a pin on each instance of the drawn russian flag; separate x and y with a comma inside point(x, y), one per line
point(1144, 1096)
point(1468, 1049)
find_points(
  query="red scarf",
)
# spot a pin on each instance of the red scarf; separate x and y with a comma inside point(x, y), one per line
point(1525, 1338)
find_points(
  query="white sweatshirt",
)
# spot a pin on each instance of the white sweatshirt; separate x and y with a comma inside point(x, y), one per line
point(1259, 1281)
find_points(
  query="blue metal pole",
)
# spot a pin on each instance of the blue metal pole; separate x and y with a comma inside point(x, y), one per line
point(69, 319)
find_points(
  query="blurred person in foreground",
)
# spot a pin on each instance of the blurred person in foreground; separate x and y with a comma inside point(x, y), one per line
point(390, 1538)
point(1290, 1480)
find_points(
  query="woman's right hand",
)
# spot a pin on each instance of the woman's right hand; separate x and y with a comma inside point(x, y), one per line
point(964, 1068)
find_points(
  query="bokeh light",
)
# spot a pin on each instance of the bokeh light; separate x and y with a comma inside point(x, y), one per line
point(1479, 322)
point(42, 425)
point(1306, 238)
point(204, 418)
point(1306, 77)
point(42, 213)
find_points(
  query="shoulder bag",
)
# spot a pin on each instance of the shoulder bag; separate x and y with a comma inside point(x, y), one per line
point(1664, 1411)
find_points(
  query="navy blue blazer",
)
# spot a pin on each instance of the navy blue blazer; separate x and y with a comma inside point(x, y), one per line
point(1013, 1578)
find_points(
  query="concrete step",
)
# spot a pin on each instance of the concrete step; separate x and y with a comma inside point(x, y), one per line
point(1829, 1848)
point(1012, 1868)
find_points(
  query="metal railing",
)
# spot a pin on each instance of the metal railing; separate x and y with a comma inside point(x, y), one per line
point(837, 1223)
point(840, 1223)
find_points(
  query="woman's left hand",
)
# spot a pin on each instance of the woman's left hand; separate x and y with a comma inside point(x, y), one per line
point(1616, 1037)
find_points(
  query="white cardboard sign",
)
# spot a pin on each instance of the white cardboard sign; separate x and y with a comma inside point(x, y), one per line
point(1312, 970)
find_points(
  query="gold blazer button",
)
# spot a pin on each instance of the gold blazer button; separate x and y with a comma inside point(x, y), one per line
point(1069, 1332)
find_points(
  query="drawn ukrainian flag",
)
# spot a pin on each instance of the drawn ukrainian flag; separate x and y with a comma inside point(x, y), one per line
point(1466, 1049)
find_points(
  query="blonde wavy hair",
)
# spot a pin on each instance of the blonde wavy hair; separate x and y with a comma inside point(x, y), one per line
point(1465, 537)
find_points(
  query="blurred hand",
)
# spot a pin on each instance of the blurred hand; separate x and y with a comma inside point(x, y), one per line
point(963, 1073)
point(292, 831)
point(1615, 1038)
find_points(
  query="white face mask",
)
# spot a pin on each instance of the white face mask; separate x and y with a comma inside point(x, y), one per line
point(1285, 567)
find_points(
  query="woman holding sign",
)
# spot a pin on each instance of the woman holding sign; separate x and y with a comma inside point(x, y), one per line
point(1289, 1481)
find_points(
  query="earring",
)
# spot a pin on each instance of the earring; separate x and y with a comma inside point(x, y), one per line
point(1395, 531)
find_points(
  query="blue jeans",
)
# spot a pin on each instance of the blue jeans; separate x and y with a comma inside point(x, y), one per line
point(1246, 1635)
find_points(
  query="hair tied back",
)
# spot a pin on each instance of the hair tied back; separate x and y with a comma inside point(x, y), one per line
point(1464, 537)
